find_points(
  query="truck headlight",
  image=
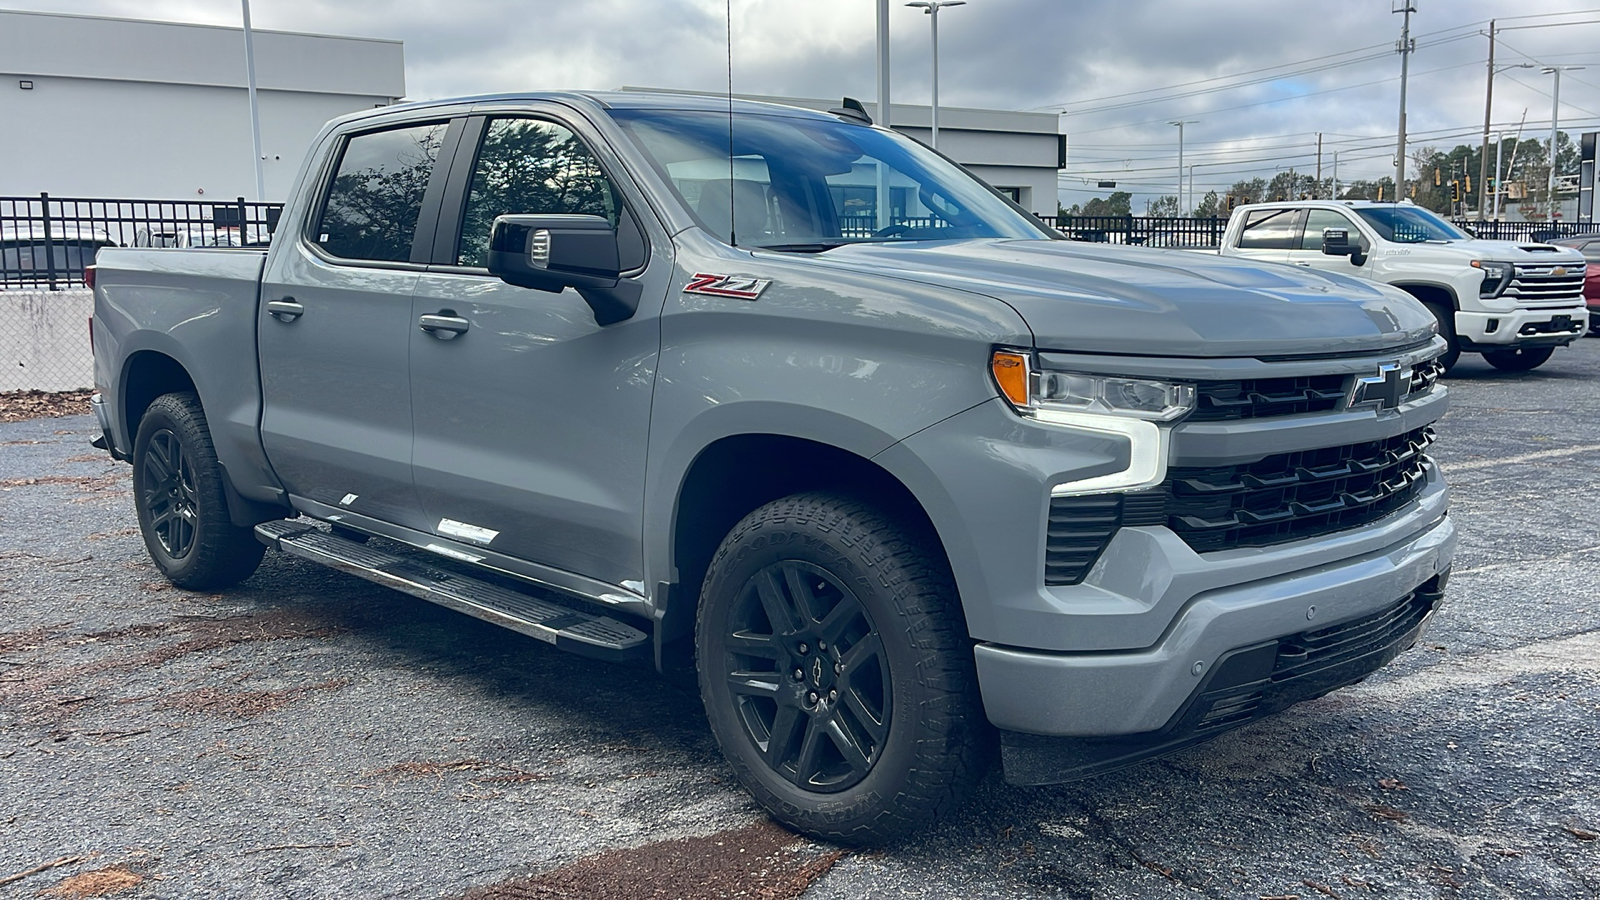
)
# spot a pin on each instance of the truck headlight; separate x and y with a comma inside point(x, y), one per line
point(1133, 408)
point(1496, 277)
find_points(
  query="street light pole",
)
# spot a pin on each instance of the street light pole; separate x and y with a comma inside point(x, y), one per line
point(1499, 145)
point(881, 197)
point(931, 8)
point(1555, 115)
point(255, 111)
point(1180, 123)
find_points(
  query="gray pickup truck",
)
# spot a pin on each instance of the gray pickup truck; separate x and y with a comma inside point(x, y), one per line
point(794, 403)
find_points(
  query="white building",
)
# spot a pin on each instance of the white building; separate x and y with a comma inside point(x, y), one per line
point(1019, 153)
point(123, 108)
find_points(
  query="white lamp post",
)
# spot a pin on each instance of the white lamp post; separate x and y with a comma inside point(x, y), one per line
point(1555, 115)
point(1180, 123)
point(931, 9)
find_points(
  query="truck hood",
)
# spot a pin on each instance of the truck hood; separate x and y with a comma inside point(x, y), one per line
point(1099, 298)
point(1526, 253)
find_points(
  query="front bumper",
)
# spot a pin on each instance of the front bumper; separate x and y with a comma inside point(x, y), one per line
point(1125, 692)
point(1521, 327)
point(1247, 683)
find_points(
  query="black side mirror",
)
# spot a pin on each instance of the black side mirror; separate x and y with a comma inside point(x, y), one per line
point(1336, 242)
point(555, 252)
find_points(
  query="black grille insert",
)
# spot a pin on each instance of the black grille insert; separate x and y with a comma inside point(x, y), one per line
point(1298, 495)
point(1254, 398)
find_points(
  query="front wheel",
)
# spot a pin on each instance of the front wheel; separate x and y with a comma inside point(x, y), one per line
point(1524, 360)
point(836, 671)
point(179, 497)
point(1446, 317)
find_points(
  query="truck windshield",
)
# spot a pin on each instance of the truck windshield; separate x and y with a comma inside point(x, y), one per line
point(1410, 225)
point(808, 185)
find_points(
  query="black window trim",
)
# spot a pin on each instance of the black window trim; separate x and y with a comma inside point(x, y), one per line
point(427, 214)
point(453, 200)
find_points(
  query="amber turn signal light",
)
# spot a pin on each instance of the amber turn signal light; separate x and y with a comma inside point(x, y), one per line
point(1010, 370)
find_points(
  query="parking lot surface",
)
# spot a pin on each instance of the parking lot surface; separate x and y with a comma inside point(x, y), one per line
point(308, 734)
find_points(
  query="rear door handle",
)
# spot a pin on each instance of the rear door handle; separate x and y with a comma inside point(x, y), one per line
point(285, 310)
point(444, 324)
point(1301, 262)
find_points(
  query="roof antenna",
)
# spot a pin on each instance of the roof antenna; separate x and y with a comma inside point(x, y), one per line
point(733, 237)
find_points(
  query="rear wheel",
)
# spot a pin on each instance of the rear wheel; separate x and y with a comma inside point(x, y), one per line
point(1446, 317)
point(1522, 360)
point(179, 497)
point(836, 672)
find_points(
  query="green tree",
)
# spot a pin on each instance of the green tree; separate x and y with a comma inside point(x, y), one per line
point(1164, 206)
point(1210, 205)
point(1120, 203)
point(1252, 191)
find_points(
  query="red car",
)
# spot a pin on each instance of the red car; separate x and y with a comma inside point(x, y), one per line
point(1589, 244)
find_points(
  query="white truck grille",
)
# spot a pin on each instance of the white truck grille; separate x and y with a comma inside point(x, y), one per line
point(1547, 284)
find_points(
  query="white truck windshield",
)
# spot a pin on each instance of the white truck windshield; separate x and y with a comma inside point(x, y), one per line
point(1410, 225)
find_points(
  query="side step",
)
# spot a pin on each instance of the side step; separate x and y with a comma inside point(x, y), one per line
point(566, 628)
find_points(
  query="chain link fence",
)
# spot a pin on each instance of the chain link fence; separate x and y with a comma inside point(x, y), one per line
point(46, 243)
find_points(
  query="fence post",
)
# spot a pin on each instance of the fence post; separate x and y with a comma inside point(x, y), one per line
point(49, 249)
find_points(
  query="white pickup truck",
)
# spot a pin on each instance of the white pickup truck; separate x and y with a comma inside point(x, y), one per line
point(1512, 301)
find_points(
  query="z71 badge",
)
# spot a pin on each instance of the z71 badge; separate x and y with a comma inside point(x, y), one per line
point(737, 286)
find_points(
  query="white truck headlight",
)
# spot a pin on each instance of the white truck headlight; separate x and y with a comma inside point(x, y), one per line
point(1133, 408)
point(1496, 277)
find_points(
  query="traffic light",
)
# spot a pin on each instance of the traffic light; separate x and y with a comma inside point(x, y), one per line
point(1469, 184)
point(1232, 202)
point(1436, 177)
point(1455, 192)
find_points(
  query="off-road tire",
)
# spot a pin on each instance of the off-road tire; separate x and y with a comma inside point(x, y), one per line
point(183, 514)
point(1446, 317)
point(936, 741)
point(1523, 360)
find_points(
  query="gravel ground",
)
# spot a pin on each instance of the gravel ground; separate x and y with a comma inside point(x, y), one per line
point(311, 735)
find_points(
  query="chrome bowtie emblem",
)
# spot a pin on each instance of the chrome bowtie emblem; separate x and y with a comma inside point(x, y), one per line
point(1385, 390)
point(816, 672)
point(1559, 271)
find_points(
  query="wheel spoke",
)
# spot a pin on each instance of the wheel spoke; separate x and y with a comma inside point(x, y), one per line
point(166, 515)
point(870, 720)
point(833, 625)
point(853, 754)
point(799, 585)
point(810, 749)
point(780, 610)
point(762, 645)
point(781, 738)
point(859, 655)
point(754, 684)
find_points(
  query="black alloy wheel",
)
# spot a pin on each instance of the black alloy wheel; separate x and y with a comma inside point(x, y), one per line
point(807, 671)
point(180, 496)
point(836, 669)
point(168, 492)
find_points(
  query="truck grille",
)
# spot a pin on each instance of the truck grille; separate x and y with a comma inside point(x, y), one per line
point(1261, 397)
point(1292, 496)
point(1542, 284)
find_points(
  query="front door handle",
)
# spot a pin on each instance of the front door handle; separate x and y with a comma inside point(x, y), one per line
point(1301, 262)
point(285, 310)
point(444, 324)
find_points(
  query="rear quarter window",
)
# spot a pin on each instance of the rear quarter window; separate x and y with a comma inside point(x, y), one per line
point(1270, 229)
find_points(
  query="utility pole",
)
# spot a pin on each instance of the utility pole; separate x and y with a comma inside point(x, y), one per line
point(1335, 174)
point(255, 111)
point(1405, 47)
point(1318, 188)
point(1191, 191)
point(1555, 115)
point(884, 107)
point(1488, 105)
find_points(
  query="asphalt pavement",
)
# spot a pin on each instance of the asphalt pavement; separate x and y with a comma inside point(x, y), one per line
point(308, 734)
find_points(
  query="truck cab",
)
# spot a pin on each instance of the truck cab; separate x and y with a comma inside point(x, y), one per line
point(1513, 301)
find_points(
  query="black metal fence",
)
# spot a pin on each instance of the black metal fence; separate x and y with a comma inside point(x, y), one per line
point(45, 241)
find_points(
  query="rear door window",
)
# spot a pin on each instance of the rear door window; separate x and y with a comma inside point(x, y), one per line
point(1270, 229)
point(376, 193)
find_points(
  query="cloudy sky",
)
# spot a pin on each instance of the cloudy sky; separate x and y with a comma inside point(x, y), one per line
point(1259, 77)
